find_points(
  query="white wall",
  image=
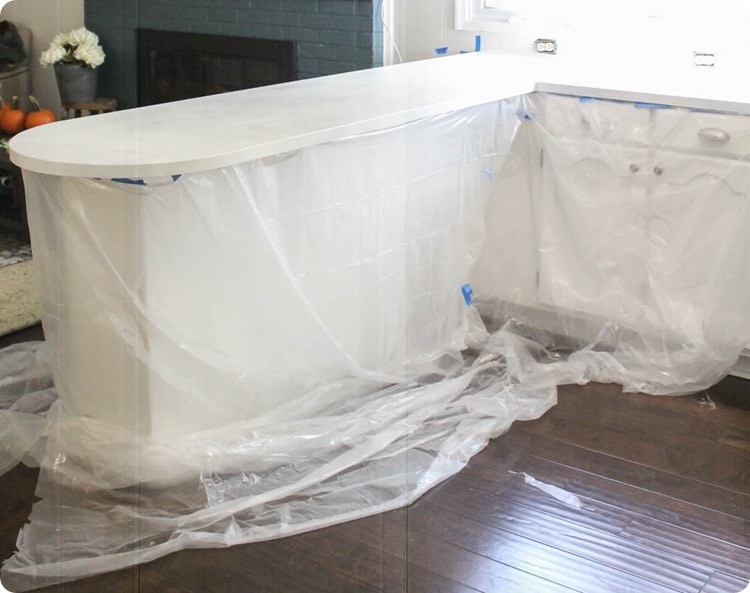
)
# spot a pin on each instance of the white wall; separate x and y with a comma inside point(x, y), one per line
point(639, 32)
point(45, 18)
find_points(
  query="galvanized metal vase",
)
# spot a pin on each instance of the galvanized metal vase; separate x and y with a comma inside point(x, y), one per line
point(77, 83)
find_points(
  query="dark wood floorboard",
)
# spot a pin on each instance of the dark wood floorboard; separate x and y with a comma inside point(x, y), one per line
point(664, 484)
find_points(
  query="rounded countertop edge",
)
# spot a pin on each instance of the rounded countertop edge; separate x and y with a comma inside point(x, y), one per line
point(281, 145)
point(237, 127)
point(285, 144)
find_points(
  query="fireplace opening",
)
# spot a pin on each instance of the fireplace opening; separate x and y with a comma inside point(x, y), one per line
point(174, 65)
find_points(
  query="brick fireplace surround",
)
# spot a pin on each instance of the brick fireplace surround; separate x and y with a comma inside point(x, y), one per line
point(331, 36)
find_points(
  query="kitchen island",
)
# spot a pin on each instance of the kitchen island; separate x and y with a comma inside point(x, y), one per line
point(262, 306)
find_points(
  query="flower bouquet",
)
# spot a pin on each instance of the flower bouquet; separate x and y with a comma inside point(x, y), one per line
point(75, 55)
point(79, 46)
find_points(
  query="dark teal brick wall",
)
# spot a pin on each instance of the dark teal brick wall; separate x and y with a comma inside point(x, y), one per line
point(332, 36)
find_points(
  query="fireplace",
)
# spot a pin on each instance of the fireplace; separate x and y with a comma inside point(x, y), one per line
point(174, 65)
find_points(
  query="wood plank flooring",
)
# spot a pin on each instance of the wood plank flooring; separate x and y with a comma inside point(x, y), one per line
point(664, 482)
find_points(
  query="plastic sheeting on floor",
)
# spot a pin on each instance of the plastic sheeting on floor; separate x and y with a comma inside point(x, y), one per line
point(270, 348)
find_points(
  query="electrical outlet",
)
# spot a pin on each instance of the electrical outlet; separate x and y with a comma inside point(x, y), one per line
point(704, 59)
point(545, 46)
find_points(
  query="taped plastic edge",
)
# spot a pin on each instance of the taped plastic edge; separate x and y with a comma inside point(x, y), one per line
point(468, 293)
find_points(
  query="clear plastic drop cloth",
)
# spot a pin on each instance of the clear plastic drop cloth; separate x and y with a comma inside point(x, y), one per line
point(617, 241)
point(257, 351)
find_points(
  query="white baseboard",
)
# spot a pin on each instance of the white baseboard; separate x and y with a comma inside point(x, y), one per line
point(742, 368)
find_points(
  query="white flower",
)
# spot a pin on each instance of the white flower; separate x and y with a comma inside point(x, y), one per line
point(82, 36)
point(91, 55)
point(59, 39)
point(54, 54)
point(79, 46)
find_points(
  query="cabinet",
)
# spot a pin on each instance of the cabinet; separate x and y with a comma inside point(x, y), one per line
point(632, 213)
point(638, 212)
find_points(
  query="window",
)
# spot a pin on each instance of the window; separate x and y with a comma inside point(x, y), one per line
point(489, 15)
point(485, 14)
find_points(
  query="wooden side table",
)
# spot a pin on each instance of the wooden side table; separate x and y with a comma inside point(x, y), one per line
point(101, 105)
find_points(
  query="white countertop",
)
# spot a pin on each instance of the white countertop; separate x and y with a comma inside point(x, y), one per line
point(220, 130)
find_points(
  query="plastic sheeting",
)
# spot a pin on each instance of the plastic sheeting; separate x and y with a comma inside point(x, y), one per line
point(277, 346)
point(619, 234)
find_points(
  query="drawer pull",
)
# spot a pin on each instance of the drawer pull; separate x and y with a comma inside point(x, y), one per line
point(634, 168)
point(715, 135)
point(658, 171)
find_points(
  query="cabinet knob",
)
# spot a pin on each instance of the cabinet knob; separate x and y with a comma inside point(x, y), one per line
point(714, 135)
point(658, 170)
point(634, 168)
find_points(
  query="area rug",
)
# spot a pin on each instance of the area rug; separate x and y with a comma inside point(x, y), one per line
point(13, 251)
point(19, 302)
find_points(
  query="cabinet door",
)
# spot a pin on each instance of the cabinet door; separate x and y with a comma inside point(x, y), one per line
point(697, 229)
point(592, 233)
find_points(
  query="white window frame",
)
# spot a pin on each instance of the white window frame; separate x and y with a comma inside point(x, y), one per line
point(472, 15)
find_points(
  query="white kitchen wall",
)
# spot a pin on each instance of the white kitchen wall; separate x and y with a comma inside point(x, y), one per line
point(45, 18)
point(651, 33)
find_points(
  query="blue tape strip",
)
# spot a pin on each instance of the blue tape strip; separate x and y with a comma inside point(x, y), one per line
point(441, 51)
point(468, 293)
point(478, 43)
point(637, 104)
point(127, 181)
point(130, 181)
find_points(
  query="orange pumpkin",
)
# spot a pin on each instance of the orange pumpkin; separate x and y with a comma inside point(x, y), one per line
point(13, 120)
point(4, 107)
point(38, 116)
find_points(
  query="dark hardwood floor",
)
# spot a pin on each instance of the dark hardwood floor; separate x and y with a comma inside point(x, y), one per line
point(664, 481)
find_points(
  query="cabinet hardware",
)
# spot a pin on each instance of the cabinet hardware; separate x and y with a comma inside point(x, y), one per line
point(634, 168)
point(658, 170)
point(715, 135)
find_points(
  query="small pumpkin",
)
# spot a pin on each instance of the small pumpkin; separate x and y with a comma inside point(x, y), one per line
point(4, 108)
point(13, 120)
point(38, 116)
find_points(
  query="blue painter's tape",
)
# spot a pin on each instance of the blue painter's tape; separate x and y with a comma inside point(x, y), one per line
point(128, 181)
point(468, 293)
point(478, 43)
point(131, 181)
point(637, 105)
point(651, 106)
point(441, 51)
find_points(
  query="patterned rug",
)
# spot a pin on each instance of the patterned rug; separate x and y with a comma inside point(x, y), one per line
point(13, 252)
point(19, 303)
